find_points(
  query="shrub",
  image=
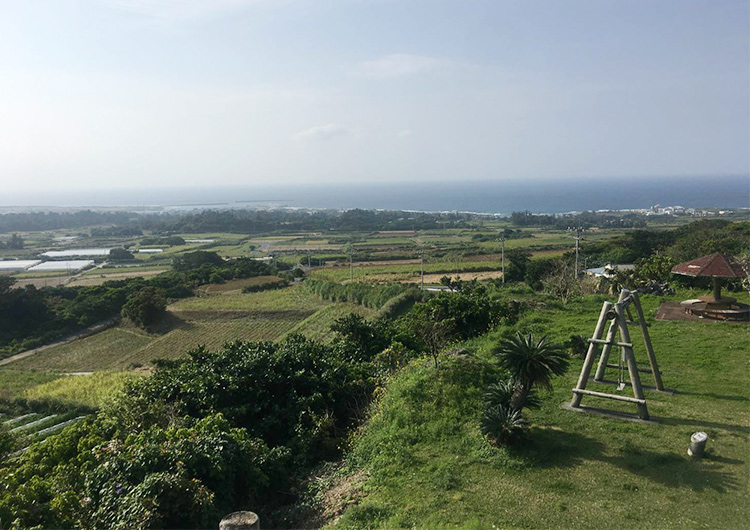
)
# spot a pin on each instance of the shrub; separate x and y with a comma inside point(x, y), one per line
point(145, 306)
point(504, 424)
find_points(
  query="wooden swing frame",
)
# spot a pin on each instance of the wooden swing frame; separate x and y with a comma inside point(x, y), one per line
point(619, 316)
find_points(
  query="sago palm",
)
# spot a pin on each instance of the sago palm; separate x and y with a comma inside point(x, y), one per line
point(531, 363)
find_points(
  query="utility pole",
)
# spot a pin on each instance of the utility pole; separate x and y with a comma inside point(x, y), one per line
point(502, 255)
point(308, 260)
point(578, 240)
point(351, 264)
point(421, 266)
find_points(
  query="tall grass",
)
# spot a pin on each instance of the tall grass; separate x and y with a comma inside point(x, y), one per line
point(79, 390)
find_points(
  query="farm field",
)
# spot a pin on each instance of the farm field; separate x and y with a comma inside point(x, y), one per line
point(209, 320)
point(318, 325)
point(426, 464)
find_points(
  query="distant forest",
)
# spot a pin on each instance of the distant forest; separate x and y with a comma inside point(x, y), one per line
point(261, 221)
point(235, 221)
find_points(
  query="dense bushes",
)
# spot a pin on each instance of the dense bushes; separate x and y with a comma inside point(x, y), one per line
point(145, 306)
point(215, 432)
point(365, 294)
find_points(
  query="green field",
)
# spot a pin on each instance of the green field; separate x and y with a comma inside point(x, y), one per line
point(291, 298)
point(318, 325)
point(79, 390)
point(426, 465)
point(13, 383)
point(210, 320)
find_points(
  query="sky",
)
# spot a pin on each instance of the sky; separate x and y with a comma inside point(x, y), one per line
point(139, 93)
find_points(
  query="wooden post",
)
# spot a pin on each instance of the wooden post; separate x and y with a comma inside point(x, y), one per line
point(240, 521)
point(647, 341)
point(717, 289)
point(602, 367)
point(635, 379)
point(591, 354)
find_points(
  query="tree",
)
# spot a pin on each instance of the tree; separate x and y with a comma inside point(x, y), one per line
point(531, 363)
point(145, 306)
point(193, 260)
point(561, 283)
point(432, 329)
point(15, 242)
point(657, 267)
point(516, 260)
point(120, 254)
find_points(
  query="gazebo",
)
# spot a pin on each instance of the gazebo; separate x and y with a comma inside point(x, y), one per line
point(715, 266)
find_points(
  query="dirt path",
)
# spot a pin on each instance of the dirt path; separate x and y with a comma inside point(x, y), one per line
point(70, 338)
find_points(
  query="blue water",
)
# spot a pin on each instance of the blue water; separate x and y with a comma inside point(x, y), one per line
point(474, 196)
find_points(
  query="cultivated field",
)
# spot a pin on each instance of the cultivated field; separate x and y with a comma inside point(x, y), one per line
point(209, 320)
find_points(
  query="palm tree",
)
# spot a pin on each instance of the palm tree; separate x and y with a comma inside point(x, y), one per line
point(531, 363)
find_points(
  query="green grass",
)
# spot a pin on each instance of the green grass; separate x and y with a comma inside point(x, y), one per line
point(125, 347)
point(80, 390)
point(401, 272)
point(429, 466)
point(291, 298)
point(210, 320)
point(13, 383)
point(96, 352)
point(318, 325)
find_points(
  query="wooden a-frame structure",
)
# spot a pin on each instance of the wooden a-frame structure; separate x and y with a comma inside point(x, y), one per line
point(619, 317)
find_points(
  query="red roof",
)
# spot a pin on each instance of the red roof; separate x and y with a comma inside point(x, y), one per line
point(717, 265)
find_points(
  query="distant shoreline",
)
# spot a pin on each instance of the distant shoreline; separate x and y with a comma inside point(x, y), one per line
point(479, 197)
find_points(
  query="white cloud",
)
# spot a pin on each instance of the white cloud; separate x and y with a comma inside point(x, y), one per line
point(401, 64)
point(406, 133)
point(323, 132)
point(179, 9)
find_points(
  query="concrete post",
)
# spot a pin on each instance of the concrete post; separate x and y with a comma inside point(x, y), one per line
point(697, 444)
point(240, 521)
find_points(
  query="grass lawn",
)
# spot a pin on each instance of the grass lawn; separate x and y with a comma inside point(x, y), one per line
point(427, 465)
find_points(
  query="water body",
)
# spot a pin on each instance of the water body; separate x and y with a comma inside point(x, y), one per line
point(553, 196)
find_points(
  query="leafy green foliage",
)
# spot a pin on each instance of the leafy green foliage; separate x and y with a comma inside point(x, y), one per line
point(375, 296)
point(504, 424)
point(120, 254)
point(531, 363)
point(145, 306)
point(191, 443)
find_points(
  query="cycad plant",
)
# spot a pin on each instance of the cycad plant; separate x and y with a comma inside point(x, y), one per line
point(531, 363)
point(504, 424)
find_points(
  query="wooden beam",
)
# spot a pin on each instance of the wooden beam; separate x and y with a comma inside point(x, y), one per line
point(602, 367)
point(630, 360)
point(591, 354)
point(642, 370)
point(647, 341)
point(616, 397)
point(611, 343)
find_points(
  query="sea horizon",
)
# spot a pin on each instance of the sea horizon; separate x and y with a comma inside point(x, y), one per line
point(487, 197)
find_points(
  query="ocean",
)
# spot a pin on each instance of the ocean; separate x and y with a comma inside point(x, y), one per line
point(503, 197)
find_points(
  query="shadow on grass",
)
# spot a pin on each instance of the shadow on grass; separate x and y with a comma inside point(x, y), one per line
point(713, 395)
point(552, 448)
point(169, 322)
point(703, 424)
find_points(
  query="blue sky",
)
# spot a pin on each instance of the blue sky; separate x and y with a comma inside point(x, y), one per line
point(135, 93)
